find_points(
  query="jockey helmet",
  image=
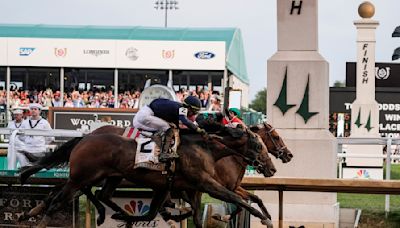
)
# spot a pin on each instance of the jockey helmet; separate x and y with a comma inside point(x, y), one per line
point(236, 111)
point(192, 103)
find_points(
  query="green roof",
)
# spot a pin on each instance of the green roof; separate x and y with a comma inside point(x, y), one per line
point(235, 58)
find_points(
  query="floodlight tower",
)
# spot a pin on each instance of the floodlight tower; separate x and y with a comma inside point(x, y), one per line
point(166, 5)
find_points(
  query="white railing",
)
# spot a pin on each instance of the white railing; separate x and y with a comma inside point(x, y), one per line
point(11, 153)
point(369, 141)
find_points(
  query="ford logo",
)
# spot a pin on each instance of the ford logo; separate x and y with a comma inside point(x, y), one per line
point(204, 55)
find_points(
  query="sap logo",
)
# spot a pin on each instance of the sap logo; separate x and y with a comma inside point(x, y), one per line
point(204, 55)
point(26, 51)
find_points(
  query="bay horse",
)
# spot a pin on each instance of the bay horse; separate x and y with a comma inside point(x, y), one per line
point(230, 167)
point(99, 156)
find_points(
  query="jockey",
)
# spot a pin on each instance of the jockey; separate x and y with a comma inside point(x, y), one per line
point(155, 117)
point(233, 119)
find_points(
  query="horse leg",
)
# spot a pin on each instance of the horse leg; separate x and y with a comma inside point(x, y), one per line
point(106, 192)
point(62, 197)
point(246, 196)
point(42, 205)
point(195, 203)
point(254, 198)
point(159, 197)
point(99, 207)
point(216, 190)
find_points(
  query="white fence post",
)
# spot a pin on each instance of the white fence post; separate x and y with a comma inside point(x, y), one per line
point(388, 168)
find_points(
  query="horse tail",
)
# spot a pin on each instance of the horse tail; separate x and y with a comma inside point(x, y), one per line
point(57, 158)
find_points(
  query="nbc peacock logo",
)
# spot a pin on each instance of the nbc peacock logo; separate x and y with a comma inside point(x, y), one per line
point(137, 207)
point(363, 174)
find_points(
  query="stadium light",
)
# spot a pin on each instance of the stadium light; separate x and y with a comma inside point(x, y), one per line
point(166, 5)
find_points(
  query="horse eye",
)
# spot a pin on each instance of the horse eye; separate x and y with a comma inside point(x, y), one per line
point(258, 147)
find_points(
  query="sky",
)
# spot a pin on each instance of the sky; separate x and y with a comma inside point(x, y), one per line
point(257, 20)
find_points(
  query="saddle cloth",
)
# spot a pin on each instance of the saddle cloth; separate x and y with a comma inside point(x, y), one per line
point(147, 151)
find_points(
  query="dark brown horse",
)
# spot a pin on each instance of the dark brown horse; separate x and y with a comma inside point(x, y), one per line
point(230, 167)
point(99, 156)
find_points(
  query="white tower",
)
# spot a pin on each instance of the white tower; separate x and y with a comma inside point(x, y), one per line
point(298, 106)
point(365, 111)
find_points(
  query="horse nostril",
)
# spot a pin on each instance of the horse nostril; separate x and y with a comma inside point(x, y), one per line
point(290, 155)
point(273, 170)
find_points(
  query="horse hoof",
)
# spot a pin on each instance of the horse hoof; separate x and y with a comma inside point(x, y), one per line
point(100, 220)
point(267, 222)
point(119, 216)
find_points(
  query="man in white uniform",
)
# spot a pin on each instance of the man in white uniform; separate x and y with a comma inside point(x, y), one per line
point(18, 142)
point(36, 144)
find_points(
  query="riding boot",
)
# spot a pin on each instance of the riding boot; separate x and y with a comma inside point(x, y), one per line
point(165, 154)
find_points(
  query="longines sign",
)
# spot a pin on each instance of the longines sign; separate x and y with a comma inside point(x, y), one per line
point(74, 118)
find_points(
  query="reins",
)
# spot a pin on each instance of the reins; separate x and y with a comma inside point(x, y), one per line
point(280, 150)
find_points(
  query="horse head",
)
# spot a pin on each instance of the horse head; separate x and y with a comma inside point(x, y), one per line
point(251, 148)
point(273, 141)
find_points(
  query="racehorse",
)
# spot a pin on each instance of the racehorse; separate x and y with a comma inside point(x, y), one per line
point(230, 167)
point(99, 156)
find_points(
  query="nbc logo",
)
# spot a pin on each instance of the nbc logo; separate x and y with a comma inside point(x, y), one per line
point(137, 208)
point(363, 174)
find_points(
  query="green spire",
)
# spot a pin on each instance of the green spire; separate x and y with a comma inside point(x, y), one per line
point(304, 110)
point(368, 124)
point(358, 120)
point(281, 102)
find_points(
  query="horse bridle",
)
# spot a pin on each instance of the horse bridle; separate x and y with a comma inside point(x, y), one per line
point(250, 161)
point(257, 162)
point(280, 150)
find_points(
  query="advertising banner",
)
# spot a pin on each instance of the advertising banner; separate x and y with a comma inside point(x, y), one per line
point(386, 74)
point(3, 52)
point(73, 118)
point(183, 55)
point(389, 107)
point(131, 54)
point(136, 203)
point(14, 201)
point(61, 52)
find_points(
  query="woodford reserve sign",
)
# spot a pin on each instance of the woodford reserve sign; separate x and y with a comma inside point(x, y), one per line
point(14, 201)
point(74, 118)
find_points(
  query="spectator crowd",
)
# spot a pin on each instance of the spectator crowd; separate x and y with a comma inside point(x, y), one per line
point(99, 98)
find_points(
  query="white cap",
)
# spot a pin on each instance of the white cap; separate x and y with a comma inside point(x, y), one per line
point(35, 105)
point(17, 111)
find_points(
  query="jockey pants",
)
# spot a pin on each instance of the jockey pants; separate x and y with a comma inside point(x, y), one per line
point(145, 120)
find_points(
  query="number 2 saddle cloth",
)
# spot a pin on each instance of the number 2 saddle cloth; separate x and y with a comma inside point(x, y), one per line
point(147, 151)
